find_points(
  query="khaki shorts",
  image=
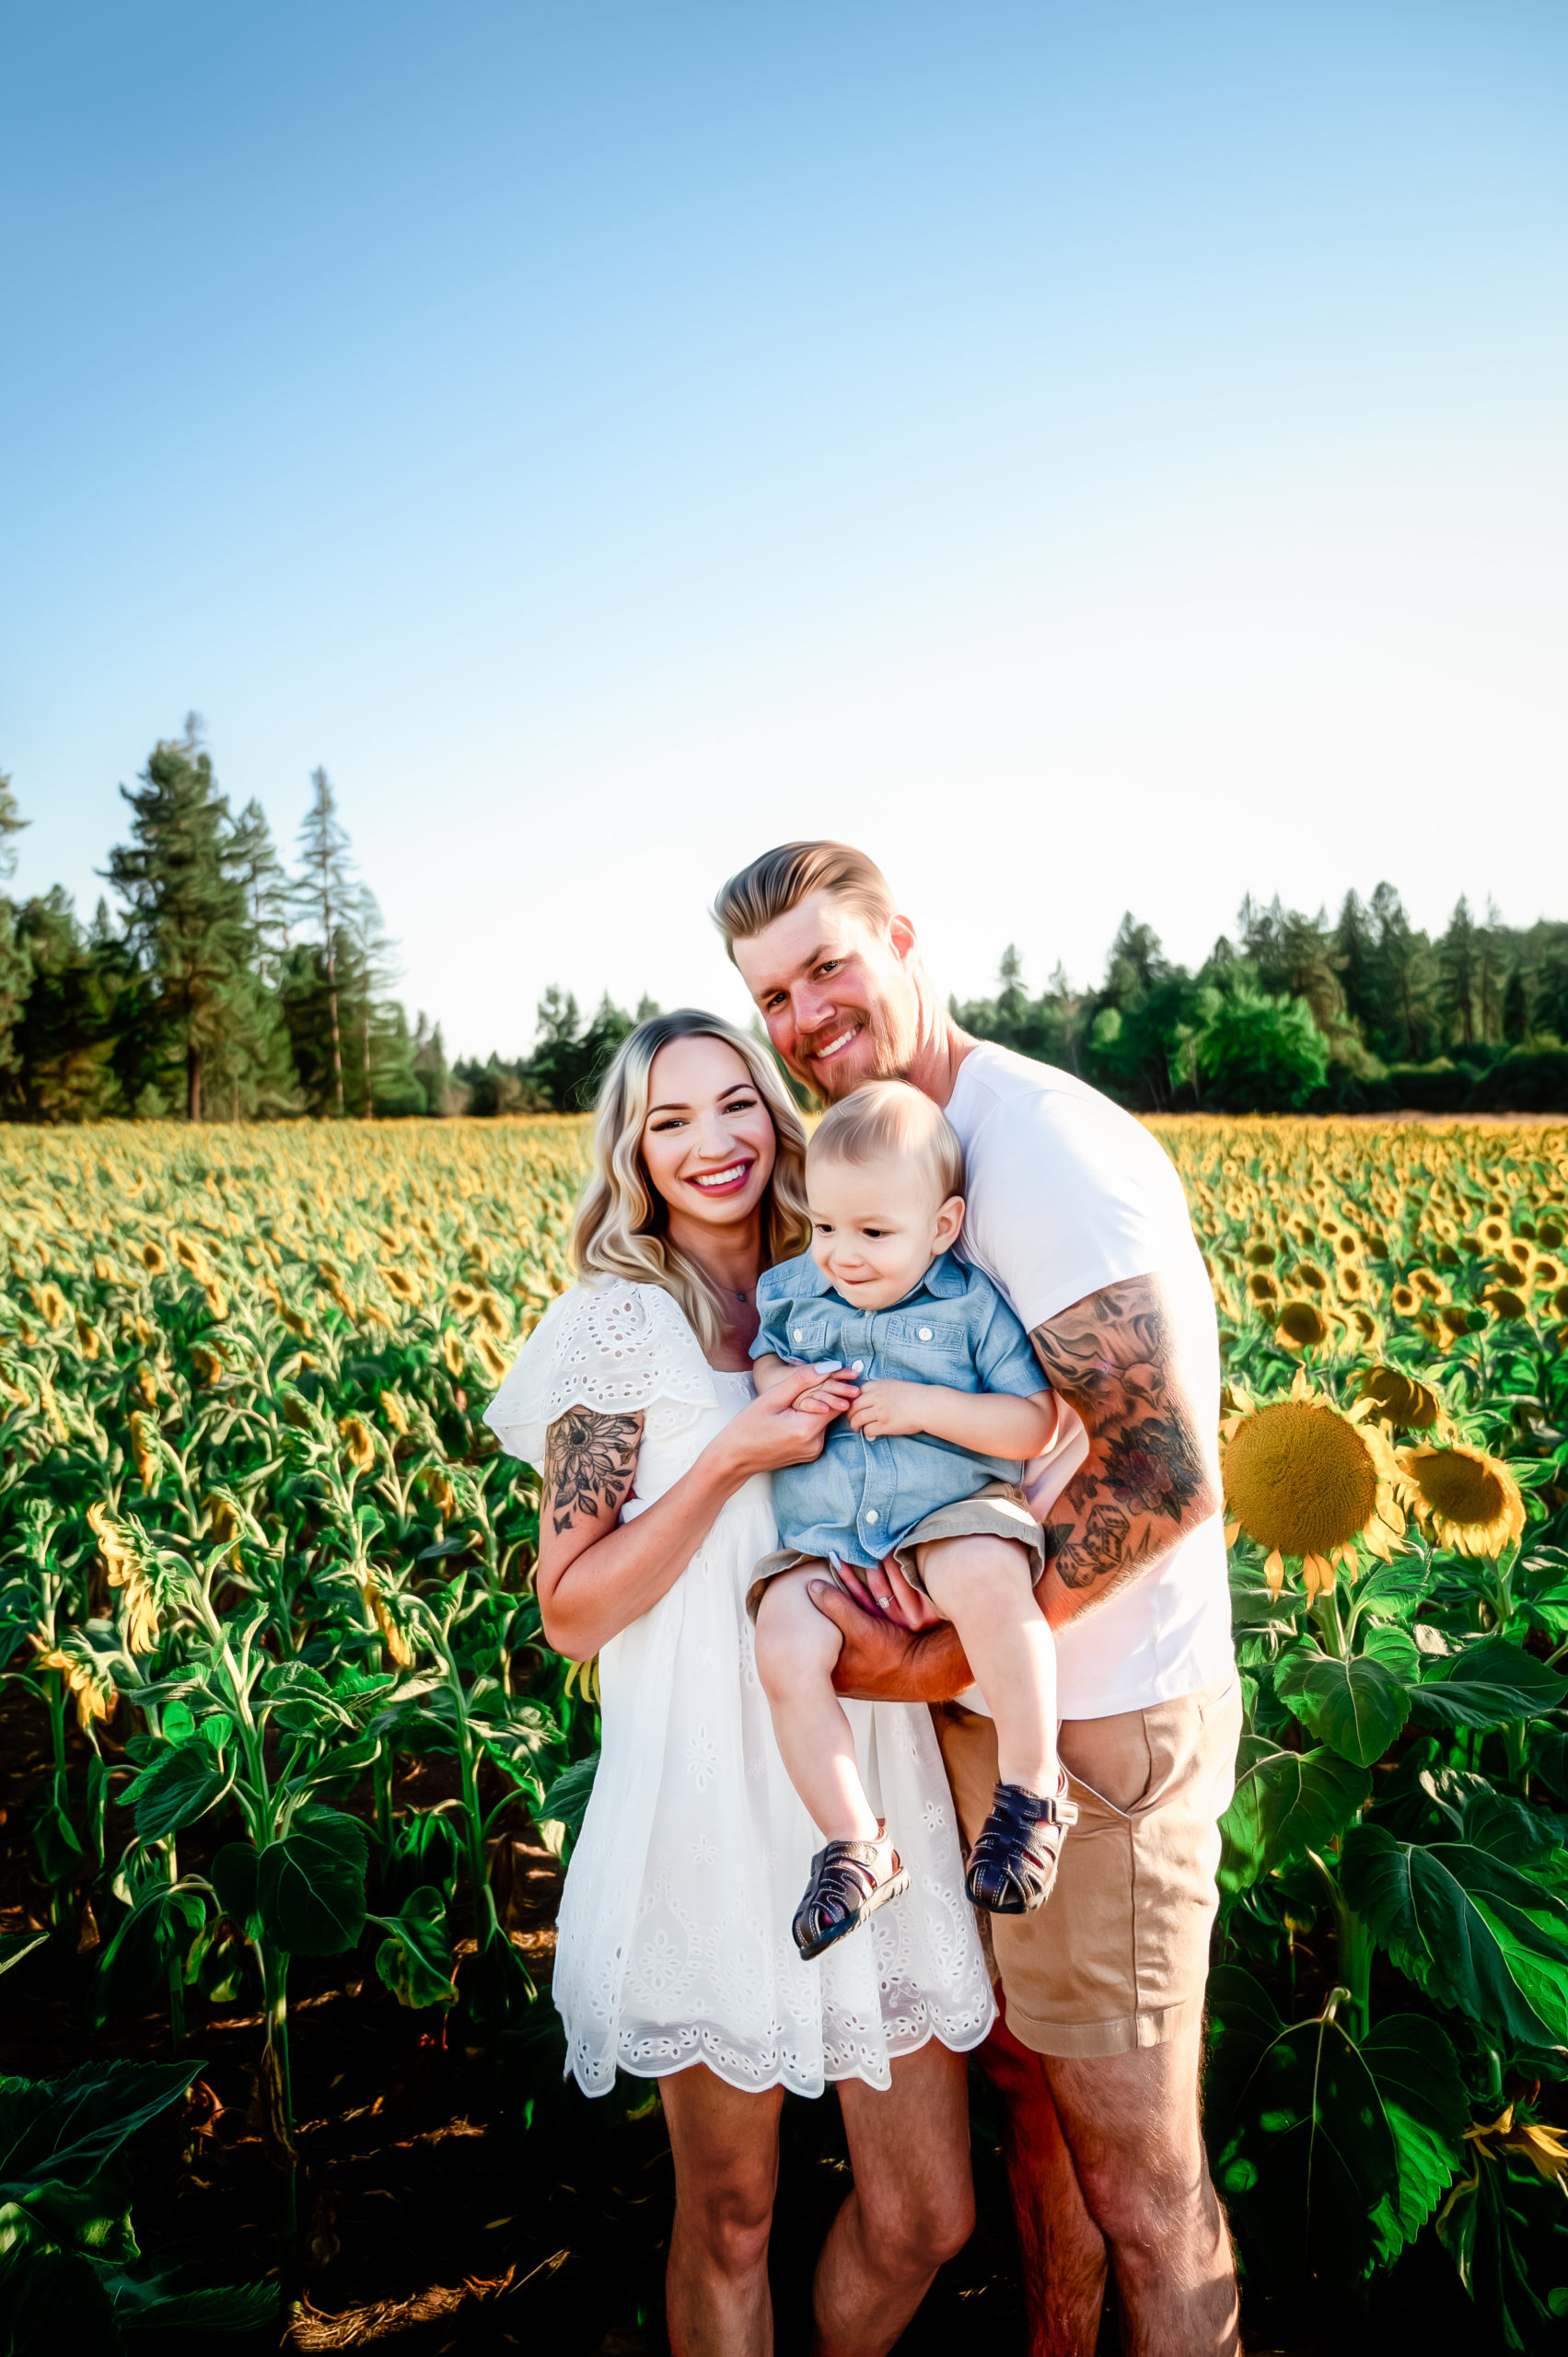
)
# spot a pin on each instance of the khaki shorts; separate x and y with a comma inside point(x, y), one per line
point(996, 1512)
point(1118, 1956)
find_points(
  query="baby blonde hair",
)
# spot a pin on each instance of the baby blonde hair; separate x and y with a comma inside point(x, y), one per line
point(889, 1118)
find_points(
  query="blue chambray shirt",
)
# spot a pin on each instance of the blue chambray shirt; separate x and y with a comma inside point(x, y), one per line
point(862, 1498)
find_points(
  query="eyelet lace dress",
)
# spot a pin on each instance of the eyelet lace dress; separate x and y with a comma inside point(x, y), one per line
point(673, 1944)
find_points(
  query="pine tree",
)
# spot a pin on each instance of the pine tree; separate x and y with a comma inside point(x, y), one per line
point(326, 891)
point(185, 908)
point(1457, 968)
point(254, 860)
point(1402, 969)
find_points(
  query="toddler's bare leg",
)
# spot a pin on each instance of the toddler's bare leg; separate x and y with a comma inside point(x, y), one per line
point(797, 1647)
point(982, 1585)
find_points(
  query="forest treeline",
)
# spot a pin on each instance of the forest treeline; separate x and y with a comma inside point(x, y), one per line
point(211, 982)
point(1366, 1014)
point(218, 984)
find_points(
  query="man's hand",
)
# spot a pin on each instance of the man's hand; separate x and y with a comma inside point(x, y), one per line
point(882, 1662)
point(1150, 1475)
point(887, 1407)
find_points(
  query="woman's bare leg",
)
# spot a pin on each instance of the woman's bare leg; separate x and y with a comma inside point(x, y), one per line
point(797, 1647)
point(725, 2146)
point(912, 2205)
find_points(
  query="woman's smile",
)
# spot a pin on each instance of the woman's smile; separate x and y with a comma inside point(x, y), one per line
point(730, 1180)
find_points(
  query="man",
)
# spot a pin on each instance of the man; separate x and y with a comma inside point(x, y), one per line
point(1076, 1212)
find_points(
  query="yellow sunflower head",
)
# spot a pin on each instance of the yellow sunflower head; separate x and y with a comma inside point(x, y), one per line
point(1504, 1303)
point(1308, 1273)
point(1467, 1499)
point(1307, 1480)
point(1493, 1232)
point(1303, 1327)
point(1405, 1300)
point(1263, 1289)
point(1548, 1274)
point(1428, 1283)
point(1400, 1401)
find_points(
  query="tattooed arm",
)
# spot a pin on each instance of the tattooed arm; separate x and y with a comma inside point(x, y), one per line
point(1148, 1479)
point(597, 1575)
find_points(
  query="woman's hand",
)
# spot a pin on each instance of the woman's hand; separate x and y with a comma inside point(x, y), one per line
point(785, 1425)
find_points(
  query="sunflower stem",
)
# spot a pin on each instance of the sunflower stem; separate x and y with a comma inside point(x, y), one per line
point(1353, 1945)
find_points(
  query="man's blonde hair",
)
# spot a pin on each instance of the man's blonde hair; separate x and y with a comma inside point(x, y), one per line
point(785, 877)
point(889, 1118)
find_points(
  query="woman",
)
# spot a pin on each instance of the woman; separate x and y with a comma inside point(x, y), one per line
point(675, 1958)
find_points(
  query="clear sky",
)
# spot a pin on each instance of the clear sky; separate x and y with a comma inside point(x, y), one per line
point(1095, 456)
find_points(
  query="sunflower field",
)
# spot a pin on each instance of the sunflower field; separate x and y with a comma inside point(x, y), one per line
point(288, 1771)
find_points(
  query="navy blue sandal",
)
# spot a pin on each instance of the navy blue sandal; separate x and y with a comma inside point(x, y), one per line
point(850, 1880)
point(1013, 1864)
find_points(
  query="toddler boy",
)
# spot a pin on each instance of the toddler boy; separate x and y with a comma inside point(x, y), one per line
point(915, 1495)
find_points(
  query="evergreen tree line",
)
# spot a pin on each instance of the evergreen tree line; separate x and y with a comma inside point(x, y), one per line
point(214, 984)
point(1366, 1014)
point(223, 986)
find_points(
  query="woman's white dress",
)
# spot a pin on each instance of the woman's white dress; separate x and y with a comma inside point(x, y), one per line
point(674, 1942)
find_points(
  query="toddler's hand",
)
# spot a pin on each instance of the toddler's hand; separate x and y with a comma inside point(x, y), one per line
point(834, 1394)
point(887, 1408)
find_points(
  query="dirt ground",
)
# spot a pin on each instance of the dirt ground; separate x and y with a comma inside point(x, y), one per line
point(449, 2200)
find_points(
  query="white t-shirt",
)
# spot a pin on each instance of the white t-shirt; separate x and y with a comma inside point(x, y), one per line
point(1068, 1194)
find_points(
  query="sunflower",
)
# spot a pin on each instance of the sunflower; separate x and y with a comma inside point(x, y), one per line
point(1365, 1328)
point(1307, 1273)
point(1504, 1303)
point(1302, 1327)
point(359, 1446)
point(1428, 1282)
point(90, 1686)
point(1262, 1255)
point(1467, 1499)
point(1351, 1281)
point(1262, 1290)
point(1494, 1235)
point(126, 1570)
point(1400, 1401)
point(1548, 1273)
point(1308, 1480)
point(1405, 1300)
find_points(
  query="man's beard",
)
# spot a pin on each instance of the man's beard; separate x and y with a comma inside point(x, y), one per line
point(892, 1033)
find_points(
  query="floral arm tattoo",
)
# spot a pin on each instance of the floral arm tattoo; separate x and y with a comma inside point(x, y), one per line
point(588, 1464)
point(1146, 1480)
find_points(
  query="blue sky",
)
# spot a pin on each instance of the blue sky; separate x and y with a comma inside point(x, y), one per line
point(1095, 458)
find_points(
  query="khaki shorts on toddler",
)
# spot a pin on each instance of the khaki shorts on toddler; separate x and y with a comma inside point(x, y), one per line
point(996, 1512)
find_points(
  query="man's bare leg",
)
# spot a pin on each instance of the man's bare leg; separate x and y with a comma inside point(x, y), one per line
point(912, 2205)
point(1062, 2250)
point(1131, 2127)
point(725, 2146)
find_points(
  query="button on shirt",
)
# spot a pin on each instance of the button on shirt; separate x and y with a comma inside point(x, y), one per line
point(861, 1498)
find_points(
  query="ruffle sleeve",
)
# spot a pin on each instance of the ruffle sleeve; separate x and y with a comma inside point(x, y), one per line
point(622, 1350)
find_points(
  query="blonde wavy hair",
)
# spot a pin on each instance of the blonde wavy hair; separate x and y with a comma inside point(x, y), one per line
point(622, 1223)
